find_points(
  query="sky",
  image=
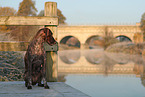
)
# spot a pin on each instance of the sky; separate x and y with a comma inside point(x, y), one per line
point(92, 12)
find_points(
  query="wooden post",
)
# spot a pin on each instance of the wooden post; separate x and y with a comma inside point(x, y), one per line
point(50, 9)
point(51, 61)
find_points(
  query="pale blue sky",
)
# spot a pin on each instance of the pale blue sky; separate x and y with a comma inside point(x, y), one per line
point(92, 12)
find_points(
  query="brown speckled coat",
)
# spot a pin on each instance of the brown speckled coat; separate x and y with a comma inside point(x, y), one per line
point(35, 59)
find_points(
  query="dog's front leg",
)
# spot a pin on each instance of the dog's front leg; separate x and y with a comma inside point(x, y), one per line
point(44, 74)
point(29, 85)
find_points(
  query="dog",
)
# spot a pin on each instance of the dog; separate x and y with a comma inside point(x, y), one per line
point(35, 59)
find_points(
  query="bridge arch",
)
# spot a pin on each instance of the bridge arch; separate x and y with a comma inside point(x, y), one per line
point(93, 41)
point(123, 38)
point(70, 41)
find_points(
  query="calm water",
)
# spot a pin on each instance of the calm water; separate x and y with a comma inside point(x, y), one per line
point(110, 86)
point(101, 74)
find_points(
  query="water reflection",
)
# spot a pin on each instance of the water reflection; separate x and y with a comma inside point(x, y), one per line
point(92, 57)
point(103, 74)
point(97, 61)
point(70, 57)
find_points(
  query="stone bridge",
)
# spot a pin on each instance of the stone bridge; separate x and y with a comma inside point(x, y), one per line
point(84, 33)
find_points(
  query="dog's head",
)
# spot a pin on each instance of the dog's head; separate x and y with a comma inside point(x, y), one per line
point(47, 36)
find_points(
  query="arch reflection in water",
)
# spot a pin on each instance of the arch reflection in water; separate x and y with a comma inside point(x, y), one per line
point(96, 61)
point(94, 56)
point(69, 56)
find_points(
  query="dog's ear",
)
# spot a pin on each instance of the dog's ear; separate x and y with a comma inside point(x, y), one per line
point(42, 33)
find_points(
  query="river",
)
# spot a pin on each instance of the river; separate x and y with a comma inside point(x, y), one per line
point(102, 74)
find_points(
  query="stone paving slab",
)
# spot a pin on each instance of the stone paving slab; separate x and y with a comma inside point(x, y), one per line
point(57, 89)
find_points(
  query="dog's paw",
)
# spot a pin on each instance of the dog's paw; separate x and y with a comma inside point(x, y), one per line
point(29, 87)
point(41, 85)
point(46, 87)
point(26, 84)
